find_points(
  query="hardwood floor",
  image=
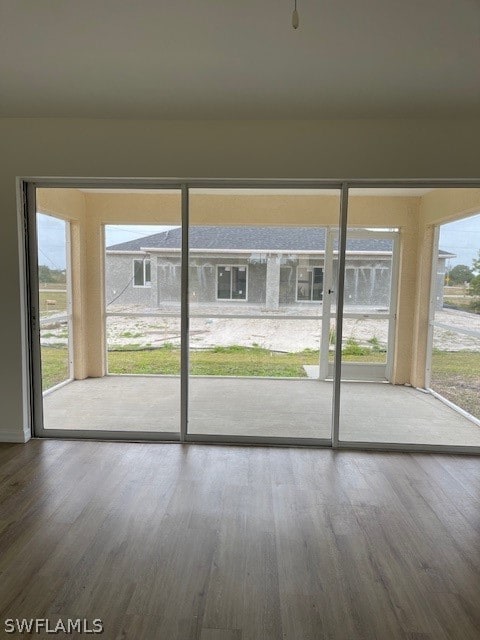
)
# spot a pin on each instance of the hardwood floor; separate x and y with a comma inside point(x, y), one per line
point(164, 541)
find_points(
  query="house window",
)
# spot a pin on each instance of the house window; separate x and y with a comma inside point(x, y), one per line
point(142, 273)
point(309, 284)
point(231, 283)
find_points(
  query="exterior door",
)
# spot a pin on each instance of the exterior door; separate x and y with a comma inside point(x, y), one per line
point(371, 269)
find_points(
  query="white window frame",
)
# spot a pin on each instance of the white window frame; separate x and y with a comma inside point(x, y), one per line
point(309, 268)
point(146, 284)
point(231, 266)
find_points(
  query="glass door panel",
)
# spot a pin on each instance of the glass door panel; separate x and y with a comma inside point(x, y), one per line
point(142, 309)
point(453, 360)
point(257, 275)
point(123, 328)
point(54, 297)
point(368, 328)
point(409, 324)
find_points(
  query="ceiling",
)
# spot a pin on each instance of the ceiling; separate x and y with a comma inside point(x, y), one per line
point(226, 59)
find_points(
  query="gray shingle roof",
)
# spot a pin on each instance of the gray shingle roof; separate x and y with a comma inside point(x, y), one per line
point(249, 238)
point(245, 238)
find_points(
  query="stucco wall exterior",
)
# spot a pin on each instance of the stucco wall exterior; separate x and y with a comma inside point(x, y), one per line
point(119, 284)
point(368, 281)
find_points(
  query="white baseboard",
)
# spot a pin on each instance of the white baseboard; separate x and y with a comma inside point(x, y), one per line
point(14, 435)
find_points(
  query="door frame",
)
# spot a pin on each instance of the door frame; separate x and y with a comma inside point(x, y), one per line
point(26, 186)
point(361, 371)
point(182, 435)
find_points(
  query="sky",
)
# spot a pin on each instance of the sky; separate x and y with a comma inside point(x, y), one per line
point(461, 238)
point(114, 234)
point(51, 241)
point(52, 245)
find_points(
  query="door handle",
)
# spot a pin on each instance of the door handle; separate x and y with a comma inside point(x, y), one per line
point(331, 291)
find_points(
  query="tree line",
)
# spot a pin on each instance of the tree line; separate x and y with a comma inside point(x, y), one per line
point(51, 276)
point(462, 274)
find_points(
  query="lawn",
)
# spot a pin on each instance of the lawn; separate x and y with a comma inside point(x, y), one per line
point(223, 361)
point(54, 366)
point(456, 376)
point(463, 304)
point(218, 361)
point(59, 297)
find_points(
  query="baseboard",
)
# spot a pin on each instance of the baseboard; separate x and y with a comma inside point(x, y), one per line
point(15, 435)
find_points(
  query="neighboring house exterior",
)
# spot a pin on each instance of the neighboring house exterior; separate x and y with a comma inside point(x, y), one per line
point(272, 267)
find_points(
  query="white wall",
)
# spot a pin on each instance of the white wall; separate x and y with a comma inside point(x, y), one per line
point(256, 149)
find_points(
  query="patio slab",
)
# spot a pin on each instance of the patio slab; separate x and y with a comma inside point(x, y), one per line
point(258, 407)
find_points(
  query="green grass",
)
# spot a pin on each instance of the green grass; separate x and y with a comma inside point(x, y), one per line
point(459, 303)
point(52, 285)
point(456, 376)
point(218, 361)
point(60, 298)
point(371, 356)
point(221, 361)
point(55, 367)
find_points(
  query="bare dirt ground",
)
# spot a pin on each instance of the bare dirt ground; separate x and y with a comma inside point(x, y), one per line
point(281, 333)
point(451, 340)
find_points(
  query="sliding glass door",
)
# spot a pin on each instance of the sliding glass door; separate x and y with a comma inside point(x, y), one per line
point(216, 330)
point(245, 313)
point(409, 325)
point(109, 266)
point(257, 274)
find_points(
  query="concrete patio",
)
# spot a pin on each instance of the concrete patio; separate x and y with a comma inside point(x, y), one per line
point(298, 408)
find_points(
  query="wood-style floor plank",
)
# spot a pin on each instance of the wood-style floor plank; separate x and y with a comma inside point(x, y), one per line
point(192, 542)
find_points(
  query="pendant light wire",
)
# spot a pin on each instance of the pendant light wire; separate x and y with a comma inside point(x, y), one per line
point(295, 19)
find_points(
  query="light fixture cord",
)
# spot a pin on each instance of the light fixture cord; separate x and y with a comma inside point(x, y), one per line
point(295, 15)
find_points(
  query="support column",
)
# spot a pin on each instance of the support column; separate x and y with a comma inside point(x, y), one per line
point(94, 296)
point(421, 327)
point(79, 306)
point(154, 281)
point(272, 298)
point(407, 283)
